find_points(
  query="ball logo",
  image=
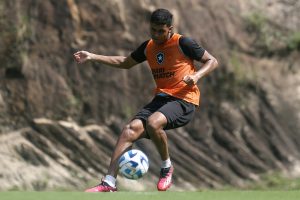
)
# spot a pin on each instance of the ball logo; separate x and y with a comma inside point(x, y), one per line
point(160, 58)
point(131, 154)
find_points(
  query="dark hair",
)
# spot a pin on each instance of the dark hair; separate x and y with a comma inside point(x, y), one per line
point(161, 17)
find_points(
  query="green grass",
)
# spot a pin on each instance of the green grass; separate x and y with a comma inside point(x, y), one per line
point(205, 195)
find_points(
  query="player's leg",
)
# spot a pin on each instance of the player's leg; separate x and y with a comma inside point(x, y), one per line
point(130, 133)
point(174, 114)
point(155, 129)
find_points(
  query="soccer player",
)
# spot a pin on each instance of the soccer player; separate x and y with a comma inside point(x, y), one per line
point(171, 58)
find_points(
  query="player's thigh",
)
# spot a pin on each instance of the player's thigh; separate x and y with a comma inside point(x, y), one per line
point(156, 121)
point(178, 113)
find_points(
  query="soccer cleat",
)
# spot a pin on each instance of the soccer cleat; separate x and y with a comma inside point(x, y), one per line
point(165, 179)
point(102, 187)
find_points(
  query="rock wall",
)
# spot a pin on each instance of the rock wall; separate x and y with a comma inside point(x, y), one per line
point(61, 119)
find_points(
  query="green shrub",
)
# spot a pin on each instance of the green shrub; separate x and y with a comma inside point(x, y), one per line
point(293, 42)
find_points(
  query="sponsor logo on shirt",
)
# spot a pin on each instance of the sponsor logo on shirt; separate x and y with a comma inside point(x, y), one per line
point(161, 73)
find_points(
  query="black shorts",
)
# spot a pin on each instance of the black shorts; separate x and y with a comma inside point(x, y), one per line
point(177, 111)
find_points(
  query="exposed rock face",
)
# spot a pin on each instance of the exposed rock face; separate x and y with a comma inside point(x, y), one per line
point(247, 124)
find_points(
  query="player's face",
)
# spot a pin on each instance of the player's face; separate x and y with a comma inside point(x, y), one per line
point(160, 33)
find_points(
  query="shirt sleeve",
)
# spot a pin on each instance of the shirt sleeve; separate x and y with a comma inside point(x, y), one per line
point(139, 54)
point(191, 48)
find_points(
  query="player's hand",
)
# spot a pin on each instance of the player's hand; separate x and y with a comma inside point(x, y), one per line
point(190, 79)
point(82, 56)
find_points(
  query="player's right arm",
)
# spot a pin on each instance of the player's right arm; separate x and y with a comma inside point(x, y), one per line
point(137, 56)
point(113, 61)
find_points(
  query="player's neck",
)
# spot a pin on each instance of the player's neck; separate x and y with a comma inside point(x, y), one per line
point(170, 35)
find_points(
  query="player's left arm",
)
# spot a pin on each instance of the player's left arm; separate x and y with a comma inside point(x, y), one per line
point(209, 64)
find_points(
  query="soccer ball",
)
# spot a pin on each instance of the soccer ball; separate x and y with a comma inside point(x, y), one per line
point(133, 164)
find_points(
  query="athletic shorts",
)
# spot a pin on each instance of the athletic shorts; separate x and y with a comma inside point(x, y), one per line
point(177, 111)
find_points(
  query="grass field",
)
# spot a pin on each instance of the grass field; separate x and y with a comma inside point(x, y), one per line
point(206, 195)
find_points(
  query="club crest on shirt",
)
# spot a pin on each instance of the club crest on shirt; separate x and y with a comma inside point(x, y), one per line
point(160, 58)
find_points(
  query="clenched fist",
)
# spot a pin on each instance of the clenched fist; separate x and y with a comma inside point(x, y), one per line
point(190, 79)
point(82, 56)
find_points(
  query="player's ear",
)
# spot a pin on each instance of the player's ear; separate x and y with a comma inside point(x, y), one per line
point(170, 29)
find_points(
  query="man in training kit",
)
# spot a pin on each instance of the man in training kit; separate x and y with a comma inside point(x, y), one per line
point(171, 58)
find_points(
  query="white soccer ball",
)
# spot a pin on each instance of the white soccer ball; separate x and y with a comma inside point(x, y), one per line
point(133, 164)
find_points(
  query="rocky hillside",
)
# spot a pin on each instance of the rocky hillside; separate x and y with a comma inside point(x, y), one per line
point(59, 121)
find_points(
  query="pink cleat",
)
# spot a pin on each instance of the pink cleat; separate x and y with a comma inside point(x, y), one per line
point(165, 179)
point(102, 187)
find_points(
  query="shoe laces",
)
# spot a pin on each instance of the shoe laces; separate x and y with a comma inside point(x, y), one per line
point(103, 183)
point(164, 172)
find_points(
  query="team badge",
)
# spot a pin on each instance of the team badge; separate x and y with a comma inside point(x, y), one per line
point(160, 58)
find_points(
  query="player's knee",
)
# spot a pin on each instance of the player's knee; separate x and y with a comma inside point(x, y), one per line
point(132, 131)
point(128, 133)
point(153, 125)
